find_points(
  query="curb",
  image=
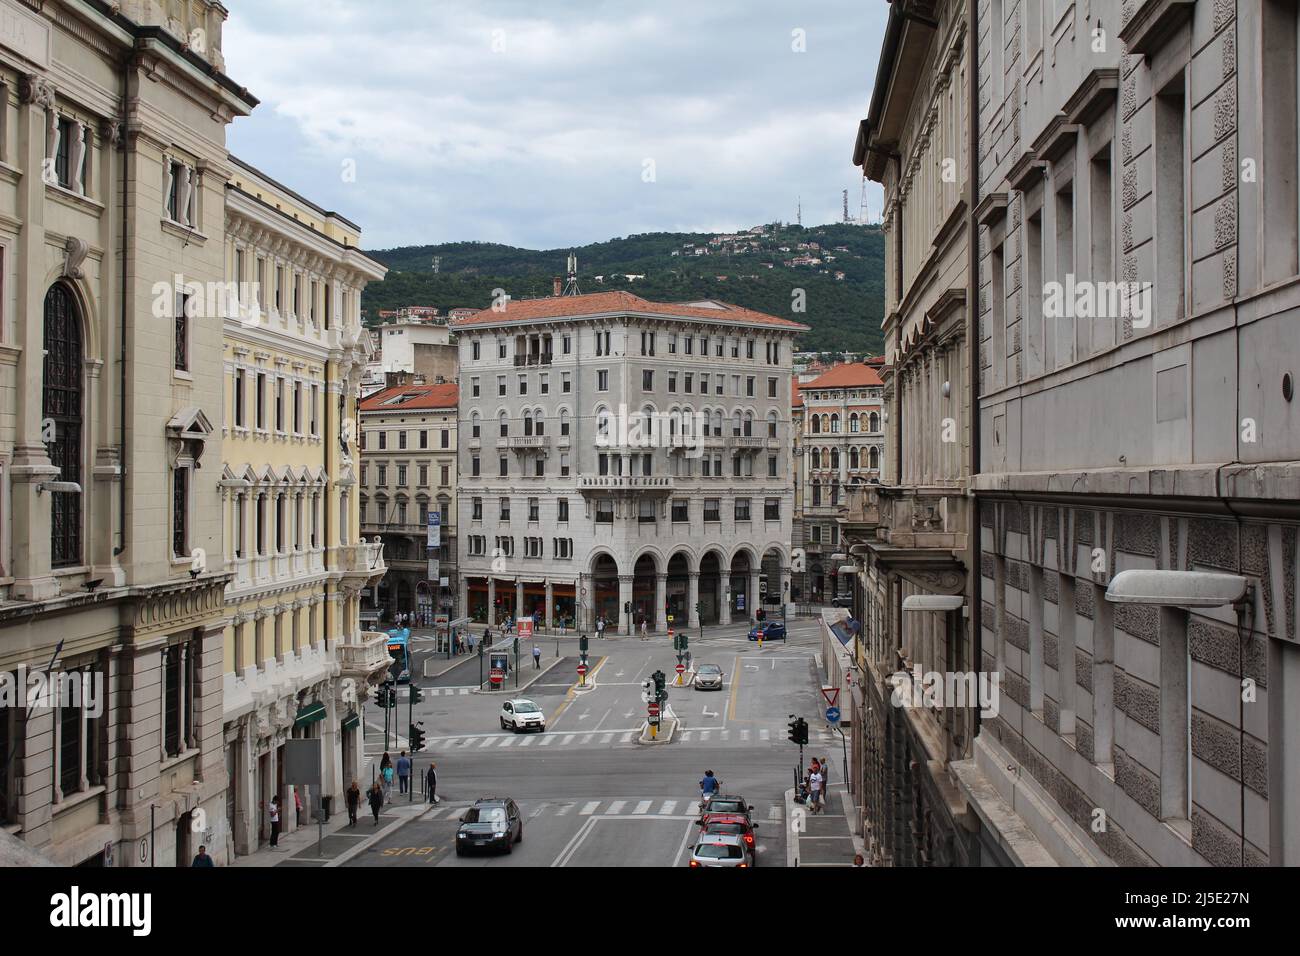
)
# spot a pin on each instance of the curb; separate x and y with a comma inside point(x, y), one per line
point(537, 675)
point(367, 844)
point(665, 737)
point(791, 832)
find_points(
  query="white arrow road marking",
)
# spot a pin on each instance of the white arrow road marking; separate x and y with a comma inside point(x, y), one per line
point(538, 811)
point(751, 667)
point(589, 809)
point(584, 715)
point(629, 715)
point(707, 713)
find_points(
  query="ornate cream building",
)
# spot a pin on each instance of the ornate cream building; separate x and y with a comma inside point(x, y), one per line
point(297, 663)
point(110, 411)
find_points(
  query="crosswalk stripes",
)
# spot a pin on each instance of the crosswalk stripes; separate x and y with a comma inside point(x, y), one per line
point(568, 739)
point(525, 741)
point(643, 807)
point(627, 737)
point(547, 741)
point(607, 738)
point(668, 807)
point(764, 734)
point(589, 808)
point(616, 807)
point(639, 807)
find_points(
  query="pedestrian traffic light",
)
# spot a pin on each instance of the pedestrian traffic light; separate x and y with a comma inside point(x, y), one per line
point(416, 738)
point(392, 697)
point(582, 643)
point(417, 695)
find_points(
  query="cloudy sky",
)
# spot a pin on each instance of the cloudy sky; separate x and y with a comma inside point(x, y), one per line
point(545, 124)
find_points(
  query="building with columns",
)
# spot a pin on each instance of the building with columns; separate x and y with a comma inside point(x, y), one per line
point(619, 453)
point(408, 472)
point(842, 445)
point(297, 662)
point(911, 534)
point(111, 563)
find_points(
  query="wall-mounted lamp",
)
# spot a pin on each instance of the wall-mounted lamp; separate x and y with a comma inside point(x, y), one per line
point(68, 487)
point(1177, 588)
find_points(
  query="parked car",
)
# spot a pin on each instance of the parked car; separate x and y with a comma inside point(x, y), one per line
point(492, 823)
point(708, 677)
point(735, 824)
point(771, 631)
point(520, 714)
point(721, 806)
point(721, 850)
point(841, 601)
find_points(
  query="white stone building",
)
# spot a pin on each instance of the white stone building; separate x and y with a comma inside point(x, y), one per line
point(566, 511)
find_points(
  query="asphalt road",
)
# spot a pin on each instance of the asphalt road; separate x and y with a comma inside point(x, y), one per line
point(590, 794)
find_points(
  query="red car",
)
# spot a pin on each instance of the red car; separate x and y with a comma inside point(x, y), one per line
point(734, 824)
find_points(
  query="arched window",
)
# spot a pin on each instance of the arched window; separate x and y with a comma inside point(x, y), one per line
point(475, 426)
point(539, 423)
point(735, 424)
point(853, 422)
point(874, 457)
point(816, 425)
point(771, 424)
point(835, 424)
point(816, 458)
point(875, 422)
point(717, 423)
point(602, 422)
point(504, 424)
point(62, 400)
point(835, 458)
point(647, 425)
point(826, 423)
point(749, 424)
point(853, 458)
point(528, 423)
point(564, 421)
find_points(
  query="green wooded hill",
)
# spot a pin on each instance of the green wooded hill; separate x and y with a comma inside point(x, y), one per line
point(844, 314)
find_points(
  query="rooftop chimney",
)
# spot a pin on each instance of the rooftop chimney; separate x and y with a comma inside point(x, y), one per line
point(557, 286)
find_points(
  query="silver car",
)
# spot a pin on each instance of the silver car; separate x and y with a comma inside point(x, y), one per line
point(721, 849)
point(708, 677)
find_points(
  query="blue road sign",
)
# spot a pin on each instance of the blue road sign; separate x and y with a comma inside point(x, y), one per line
point(833, 714)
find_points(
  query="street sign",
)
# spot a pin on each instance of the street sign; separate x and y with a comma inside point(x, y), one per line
point(525, 628)
point(653, 721)
point(832, 695)
point(680, 668)
point(654, 710)
point(833, 714)
point(582, 669)
point(497, 675)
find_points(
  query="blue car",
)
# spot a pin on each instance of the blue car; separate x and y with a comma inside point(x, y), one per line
point(771, 631)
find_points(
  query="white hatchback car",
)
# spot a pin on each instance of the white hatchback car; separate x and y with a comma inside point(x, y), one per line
point(721, 849)
point(521, 714)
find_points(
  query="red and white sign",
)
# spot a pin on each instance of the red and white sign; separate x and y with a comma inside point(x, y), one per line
point(680, 668)
point(526, 629)
point(654, 710)
point(497, 675)
point(832, 694)
point(582, 669)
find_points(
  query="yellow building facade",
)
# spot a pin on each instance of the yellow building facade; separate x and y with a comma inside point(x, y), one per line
point(297, 663)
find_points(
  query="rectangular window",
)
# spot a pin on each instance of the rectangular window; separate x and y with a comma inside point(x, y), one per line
point(424, 476)
point(566, 383)
point(180, 512)
point(749, 386)
point(279, 404)
point(474, 389)
point(503, 467)
point(681, 510)
point(501, 350)
point(1170, 202)
point(539, 467)
point(749, 348)
point(401, 476)
point(605, 511)
point(544, 384)
point(383, 476)
point(523, 384)
point(181, 348)
point(1103, 256)
point(474, 346)
point(444, 476)
point(503, 509)
point(562, 509)
point(645, 512)
point(476, 509)
point(742, 509)
point(997, 318)
point(297, 408)
point(771, 466)
point(565, 344)
point(312, 413)
point(239, 398)
point(712, 510)
point(689, 342)
point(474, 466)
point(260, 399)
point(501, 386)
point(602, 381)
point(672, 382)
point(735, 348)
point(401, 440)
point(424, 439)
point(772, 509)
point(647, 380)
point(564, 466)
point(686, 383)
point(771, 388)
point(383, 440)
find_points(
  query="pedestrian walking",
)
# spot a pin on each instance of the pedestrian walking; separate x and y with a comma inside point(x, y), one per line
point(815, 781)
point(376, 798)
point(354, 802)
point(826, 775)
point(600, 626)
point(403, 773)
point(387, 777)
point(275, 822)
point(202, 859)
point(385, 761)
point(537, 657)
point(297, 808)
point(431, 782)
point(644, 634)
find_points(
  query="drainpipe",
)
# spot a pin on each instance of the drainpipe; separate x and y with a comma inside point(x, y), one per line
point(123, 458)
point(973, 532)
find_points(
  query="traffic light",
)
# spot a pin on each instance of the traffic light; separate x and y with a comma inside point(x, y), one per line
point(649, 688)
point(627, 607)
point(582, 643)
point(392, 696)
point(417, 695)
point(798, 732)
point(661, 690)
point(683, 641)
point(416, 738)
point(697, 607)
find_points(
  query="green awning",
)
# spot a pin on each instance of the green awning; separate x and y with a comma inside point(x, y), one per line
point(351, 721)
point(309, 714)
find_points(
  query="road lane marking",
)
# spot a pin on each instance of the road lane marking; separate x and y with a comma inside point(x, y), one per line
point(668, 807)
point(589, 808)
point(507, 741)
point(626, 738)
point(525, 741)
point(643, 807)
point(726, 734)
point(686, 735)
point(616, 807)
point(606, 738)
point(736, 672)
point(586, 739)
point(546, 741)
point(568, 738)
point(564, 810)
point(487, 742)
point(744, 734)
point(538, 811)
point(704, 735)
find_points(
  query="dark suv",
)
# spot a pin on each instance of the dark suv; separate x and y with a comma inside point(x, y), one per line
point(493, 823)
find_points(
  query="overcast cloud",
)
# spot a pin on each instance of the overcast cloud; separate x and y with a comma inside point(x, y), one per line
point(532, 123)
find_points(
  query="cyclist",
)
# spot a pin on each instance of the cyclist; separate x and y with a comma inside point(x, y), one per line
point(708, 787)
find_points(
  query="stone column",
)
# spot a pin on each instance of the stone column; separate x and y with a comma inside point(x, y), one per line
point(462, 595)
point(492, 602)
point(519, 598)
point(752, 600)
point(693, 599)
point(661, 600)
point(550, 604)
point(625, 598)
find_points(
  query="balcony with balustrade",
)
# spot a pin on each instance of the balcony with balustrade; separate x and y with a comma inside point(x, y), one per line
point(604, 486)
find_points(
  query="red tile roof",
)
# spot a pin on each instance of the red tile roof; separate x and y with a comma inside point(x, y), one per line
point(604, 303)
point(796, 400)
point(847, 375)
point(421, 397)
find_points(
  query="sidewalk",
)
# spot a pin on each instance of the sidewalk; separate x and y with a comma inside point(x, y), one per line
point(822, 839)
point(341, 842)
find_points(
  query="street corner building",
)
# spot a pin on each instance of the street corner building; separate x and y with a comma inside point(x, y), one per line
point(112, 182)
point(297, 662)
point(1125, 550)
point(623, 459)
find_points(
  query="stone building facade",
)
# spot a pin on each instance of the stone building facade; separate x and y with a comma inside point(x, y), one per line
point(910, 535)
point(110, 408)
point(297, 663)
point(617, 453)
point(408, 471)
point(1149, 426)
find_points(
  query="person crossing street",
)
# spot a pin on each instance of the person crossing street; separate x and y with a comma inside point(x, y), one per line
point(537, 657)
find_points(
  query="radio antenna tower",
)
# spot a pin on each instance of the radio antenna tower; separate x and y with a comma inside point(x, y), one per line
point(571, 286)
point(846, 205)
point(798, 211)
